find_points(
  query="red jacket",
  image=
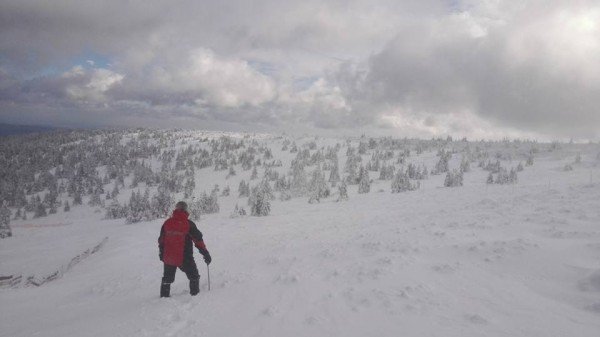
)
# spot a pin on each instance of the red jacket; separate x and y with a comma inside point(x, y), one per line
point(176, 237)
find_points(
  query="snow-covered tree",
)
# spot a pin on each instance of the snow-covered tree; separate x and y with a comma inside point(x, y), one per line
point(139, 207)
point(40, 211)
point(188, 187)
point(115, 211)
point(386, 172)
point(231, 172)
point(243, 189)
point(490, 178)
point(465, 165)
point(317, 186)
point(5, 230)
point(512, 176)
point(364, 182)
point(529, 161)
point(161, 203)
point(401, 183)
point(520, 167)
point(226, 191)
point(342, 191)
point(77, 199)
point(259, 201)
point(238, 212)
point(502, 177)
point(298, 184)
point(453, 179)
point(334, 174)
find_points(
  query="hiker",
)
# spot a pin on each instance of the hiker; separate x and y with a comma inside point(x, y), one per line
point(175, 249)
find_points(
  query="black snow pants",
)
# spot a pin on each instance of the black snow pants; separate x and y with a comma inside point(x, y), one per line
point(188, 267)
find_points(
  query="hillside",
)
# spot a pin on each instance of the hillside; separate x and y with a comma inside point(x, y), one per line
point(446, 254)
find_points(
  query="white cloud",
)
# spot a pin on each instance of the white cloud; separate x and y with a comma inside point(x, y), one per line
point(90, 85)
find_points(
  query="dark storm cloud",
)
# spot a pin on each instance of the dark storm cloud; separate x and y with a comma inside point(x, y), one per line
point(475, 68)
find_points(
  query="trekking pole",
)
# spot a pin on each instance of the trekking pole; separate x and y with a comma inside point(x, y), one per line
point(208, 274)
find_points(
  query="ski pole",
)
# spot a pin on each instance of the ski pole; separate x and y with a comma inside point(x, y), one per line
point(208, 274)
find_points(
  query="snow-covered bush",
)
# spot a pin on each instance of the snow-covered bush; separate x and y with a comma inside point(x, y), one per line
point(401, 183)
point(226, 191)
point(453, 179)
point(115, 210)
point(237, 212)
point(465, 165)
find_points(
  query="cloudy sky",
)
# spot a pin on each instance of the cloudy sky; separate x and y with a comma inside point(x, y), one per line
point(474, 68)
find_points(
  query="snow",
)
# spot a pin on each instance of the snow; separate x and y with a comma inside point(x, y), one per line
point(476, 260)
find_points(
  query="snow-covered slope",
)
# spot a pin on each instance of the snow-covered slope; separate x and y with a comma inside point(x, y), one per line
point(476, 260)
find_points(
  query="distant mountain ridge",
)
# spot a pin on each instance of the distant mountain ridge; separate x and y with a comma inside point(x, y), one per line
point(13, 129)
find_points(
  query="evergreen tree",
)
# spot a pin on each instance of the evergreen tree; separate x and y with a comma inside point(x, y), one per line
point(520, 167)
point(453, 179)
point(298, 185)
point(161, 203)
point(259, 202)
point(115, 210)
point(95, 199)
point(77, 199)
point(317, 186)
point(529, 161)
point(243, 189)
point(442, 165)
point(364, 182)
point(401, 183)
point(188, 187)
point(40, 211)
point(334, 175)
point(512, 176)
point(502, 177)
point(238, 212)
point(465, 166)
point(231, 172)
point(342, 191)
point(53, 209)
point(5, 230)
point(285, 195)
point(226, 191)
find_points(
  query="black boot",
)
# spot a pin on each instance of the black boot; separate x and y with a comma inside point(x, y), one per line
point(194, 287)
point(165, 290)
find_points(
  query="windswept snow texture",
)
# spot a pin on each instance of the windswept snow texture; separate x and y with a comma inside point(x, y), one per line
point(475, 260)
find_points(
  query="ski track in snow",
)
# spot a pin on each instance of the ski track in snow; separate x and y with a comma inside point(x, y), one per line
point(471, 261)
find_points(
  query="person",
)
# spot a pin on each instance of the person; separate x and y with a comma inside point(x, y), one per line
point(176, 251)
